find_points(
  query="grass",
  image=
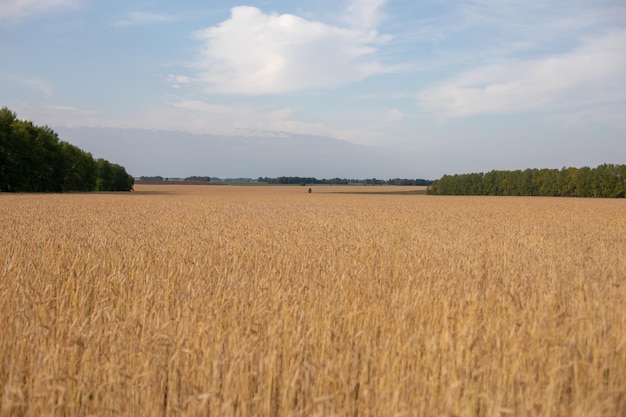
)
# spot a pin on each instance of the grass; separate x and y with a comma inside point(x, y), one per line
point(269, 301)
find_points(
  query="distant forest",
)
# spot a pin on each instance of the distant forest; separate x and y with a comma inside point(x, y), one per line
point(33, 159)
point(291, 180)
point(159, 178)
point(371, 181)
point(606, 180)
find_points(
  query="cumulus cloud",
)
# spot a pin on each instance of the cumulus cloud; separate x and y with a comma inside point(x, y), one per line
point(20, 9)
point(590, 74)
point(256, 53)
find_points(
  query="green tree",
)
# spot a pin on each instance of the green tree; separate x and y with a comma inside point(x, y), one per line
point(8, 163)
point(621, 181)
point(80, 172)
point(607, 180)
point(584, 183)
point(33, 159)
point(112, 177)
point(568, 182)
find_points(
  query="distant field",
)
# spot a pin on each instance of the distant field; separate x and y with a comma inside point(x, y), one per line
point(270, 301)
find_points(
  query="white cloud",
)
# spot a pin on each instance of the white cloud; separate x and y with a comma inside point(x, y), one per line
point(590, 74)
point(61, 115)
point(203, 117)
point(20, 9)
point(178, 80)
point(365, 14)
point(142, 18)
point(40, 85)
point(610, 114)
point(394, 115)
point(201, 106)
point(256, 53)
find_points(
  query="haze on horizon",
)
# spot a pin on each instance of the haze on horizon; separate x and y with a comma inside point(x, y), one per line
point(351, 89)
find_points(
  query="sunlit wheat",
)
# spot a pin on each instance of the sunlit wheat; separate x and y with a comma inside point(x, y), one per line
point(270, 301)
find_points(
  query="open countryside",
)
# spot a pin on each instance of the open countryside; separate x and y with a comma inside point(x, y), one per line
point(272, 301)
point(347, 208)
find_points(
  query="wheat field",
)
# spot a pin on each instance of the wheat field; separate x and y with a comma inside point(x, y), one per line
point(269, 301)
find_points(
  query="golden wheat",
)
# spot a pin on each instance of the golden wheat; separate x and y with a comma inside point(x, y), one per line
point(269, 301)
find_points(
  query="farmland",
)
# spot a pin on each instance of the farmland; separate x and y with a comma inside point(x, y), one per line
point(270, 301)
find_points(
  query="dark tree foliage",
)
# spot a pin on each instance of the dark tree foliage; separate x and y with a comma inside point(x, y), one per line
point(606, 180)
point(198, 178)
point(406, 181)
point(112, 177)
point(33, 159)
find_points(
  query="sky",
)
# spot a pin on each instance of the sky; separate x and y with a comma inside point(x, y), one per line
point(342, 88)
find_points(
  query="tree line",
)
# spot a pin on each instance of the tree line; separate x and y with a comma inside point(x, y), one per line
point(33, 159)
point(332, 181)
point(158, 178)
point(606, 180)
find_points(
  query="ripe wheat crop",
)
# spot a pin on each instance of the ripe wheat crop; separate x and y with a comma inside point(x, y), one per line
point(269, 301)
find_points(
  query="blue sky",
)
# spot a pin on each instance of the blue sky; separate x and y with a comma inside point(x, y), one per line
point(352, 88)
